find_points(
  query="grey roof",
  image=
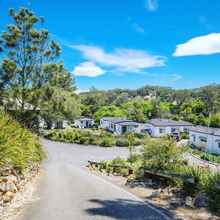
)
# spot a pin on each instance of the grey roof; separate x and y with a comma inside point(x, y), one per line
point(114, 119)
point(121, 121)
point(128, 123)
point(206, 130)
point(168, 122)
point(85, 119)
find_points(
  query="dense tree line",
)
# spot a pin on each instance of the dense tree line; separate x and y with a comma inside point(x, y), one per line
point(199, 106)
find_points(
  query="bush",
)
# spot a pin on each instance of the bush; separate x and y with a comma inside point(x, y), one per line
point(94, 140)
point(18, 146)
point(184, 135)
point(122, 142)
point(162, 154)
point(107, 141)
point(137, 142)
point(109, 166)
point(140, 136)
point(203, 155)
point(213, 191)
point(93, 137)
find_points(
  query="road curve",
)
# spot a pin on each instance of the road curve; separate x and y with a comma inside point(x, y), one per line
point(67, 191)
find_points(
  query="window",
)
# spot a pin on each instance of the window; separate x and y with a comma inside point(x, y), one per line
point(173, 130)
point(162, 130)
point(185, 129)
point(193, 138)
point(203, 139)
point(218, 143)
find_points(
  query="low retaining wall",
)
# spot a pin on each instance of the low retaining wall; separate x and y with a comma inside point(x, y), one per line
point(196, 161)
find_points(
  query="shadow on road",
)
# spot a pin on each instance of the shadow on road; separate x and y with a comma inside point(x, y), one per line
point(123, 209)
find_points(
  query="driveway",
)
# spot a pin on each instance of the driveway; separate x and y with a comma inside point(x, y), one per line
point(68, 191)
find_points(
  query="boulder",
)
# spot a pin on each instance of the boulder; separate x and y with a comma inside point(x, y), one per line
point(9, 179)
point(201, 201)
point(8, 187)
point(8, 196)
point(176, 202)
point(155, 194)
point(189, 201)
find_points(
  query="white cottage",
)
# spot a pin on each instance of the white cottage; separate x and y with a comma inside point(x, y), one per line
point(161, 127)
point(84, 123)
point(118, 126)
point(205, 138)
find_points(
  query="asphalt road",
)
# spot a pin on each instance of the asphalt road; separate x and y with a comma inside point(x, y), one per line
point(67, 191)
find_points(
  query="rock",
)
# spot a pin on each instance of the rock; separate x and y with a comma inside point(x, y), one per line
point(176, 202)
point(149, 182)
point(5, 187)
point(189, 201)
point(9, 179)
point(201, 201)
point(155, 194)
point(8, 196)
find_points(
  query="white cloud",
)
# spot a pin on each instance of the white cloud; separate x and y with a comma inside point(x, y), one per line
point(123, 60)
point(89, 69)
point(202, 45)
point(152, 5)
point(176, 77)
point(78, 91)
point(138, 28)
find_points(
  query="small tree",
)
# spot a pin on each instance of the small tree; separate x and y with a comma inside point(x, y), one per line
point(131, 139)
point(162, 154)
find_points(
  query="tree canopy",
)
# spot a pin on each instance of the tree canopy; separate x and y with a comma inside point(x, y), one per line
point(31, 73)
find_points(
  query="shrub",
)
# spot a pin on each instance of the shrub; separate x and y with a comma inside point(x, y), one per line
point(18, 146)
point(184, 135)
point(162, 154)
point(117, 162)
point(93, 137)
point(107, 141)
point(94, 140)
point(140, 136)
point(122, 142)
point(212, 189)
point(137, 142)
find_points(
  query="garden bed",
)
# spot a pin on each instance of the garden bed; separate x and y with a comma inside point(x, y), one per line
point(172, 200)
point(204, 155)
point(160, 163)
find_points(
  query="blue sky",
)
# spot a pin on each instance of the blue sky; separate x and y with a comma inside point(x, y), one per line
point(129, 44)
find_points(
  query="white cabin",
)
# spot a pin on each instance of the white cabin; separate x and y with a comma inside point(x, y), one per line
point(118, 126)
point(207, 139)
point(161, 127)
point(84, 123)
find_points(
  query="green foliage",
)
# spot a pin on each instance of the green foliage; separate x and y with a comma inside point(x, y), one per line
point(184, 135)
point(30, 74)
point(18, 147)
point(107, 141)
point(161, 154)
point(215, 120)
point(199, 106)
point(122, 142)
point(131, 141)
point(93, 137)
point(203, 155)
point(72, 135)
point(206, 182)
point(138, 110)
point(109, 111)
point(120, 166)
